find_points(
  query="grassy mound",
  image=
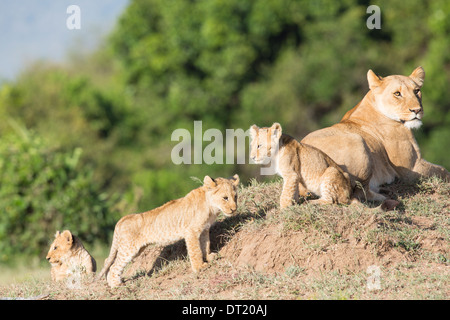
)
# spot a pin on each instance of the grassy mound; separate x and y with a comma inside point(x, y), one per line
point(303, 252)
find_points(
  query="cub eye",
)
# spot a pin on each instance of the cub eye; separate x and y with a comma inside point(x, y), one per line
point(55, 248)
point(397, 94)
point(259, 146)
point(225, 198)
point(416, 91)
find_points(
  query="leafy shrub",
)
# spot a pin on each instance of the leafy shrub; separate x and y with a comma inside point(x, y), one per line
point(43, 190)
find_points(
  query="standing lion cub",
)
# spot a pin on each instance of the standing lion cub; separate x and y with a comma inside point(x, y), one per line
point(189, 217)
point(67, 255)
point(303, 168)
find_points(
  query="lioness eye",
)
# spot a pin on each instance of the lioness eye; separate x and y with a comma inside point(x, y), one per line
point(397, 94)
point(416, 91)
point(259, 146)
point(55, 248)
point(225, 198)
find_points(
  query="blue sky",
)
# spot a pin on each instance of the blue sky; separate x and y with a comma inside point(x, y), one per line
point(36, 29)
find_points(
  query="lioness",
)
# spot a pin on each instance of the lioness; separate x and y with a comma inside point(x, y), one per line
point(189, 217)
point(303, 168)
point(373, 142)
point(68, 255)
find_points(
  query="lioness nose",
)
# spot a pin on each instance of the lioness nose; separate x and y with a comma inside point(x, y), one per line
point(416, 110)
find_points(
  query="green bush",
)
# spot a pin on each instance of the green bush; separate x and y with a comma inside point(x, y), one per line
point(43, 190)
point(230, 64)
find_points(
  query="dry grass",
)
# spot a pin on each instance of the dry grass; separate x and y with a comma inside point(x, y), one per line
point(304, 252)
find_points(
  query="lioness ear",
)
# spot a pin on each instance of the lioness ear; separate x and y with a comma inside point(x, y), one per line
point(373, 79)
point(253, 130)
point(418, 76)
point(236, 180)
point(276, 130)
point(209, 182)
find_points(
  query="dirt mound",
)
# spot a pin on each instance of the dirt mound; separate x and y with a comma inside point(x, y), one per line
point(271, 250)
point(313, 238)
point(303, 252)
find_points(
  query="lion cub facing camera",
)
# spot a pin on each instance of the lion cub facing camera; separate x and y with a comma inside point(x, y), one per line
point(186, 218)
point(67, 255)
point(303, 167)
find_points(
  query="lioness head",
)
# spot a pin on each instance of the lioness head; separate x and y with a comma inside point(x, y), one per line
point(399, 97)
point(264, 142)
point(222, 193)
point(60, 246)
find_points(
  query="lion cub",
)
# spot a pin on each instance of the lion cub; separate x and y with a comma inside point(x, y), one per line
point(68, 255)
point(189, 217)
point(303, 167)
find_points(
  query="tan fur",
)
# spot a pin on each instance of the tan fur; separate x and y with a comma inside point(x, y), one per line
point(189, 217)
point(68, 254)
point(373, 142)
point(303, 168)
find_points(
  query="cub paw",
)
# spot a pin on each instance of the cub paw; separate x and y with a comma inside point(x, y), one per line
point(199, 267)
point(210, 257)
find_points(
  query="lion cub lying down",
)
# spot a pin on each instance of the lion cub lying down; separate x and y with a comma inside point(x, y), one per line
point(303, 168)
point(189, 218)
point(68, 255)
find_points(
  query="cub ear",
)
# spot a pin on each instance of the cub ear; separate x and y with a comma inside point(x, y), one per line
point(276, 130)
point(67, 236)
point(253, 131)
point(57, 234)
point(373, 79)
point(418, 76)
point(236, 180)
point(209, 182)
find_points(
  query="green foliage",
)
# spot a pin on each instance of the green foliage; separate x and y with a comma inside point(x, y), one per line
point(43, 190)
point(225, 61)
point(230, 64)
